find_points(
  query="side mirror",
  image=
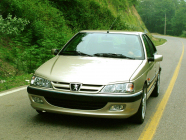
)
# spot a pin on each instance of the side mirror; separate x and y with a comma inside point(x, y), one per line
point(156, 58)
point(54, 51)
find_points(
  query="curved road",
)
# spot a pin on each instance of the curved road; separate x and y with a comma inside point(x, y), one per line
point(19, 121)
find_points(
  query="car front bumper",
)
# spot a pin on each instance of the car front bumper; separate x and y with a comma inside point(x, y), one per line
point(131, 103)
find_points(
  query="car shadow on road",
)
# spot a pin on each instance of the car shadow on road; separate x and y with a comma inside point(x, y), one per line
point(83, 122)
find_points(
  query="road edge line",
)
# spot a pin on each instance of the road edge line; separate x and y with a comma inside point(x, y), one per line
point(12, 91)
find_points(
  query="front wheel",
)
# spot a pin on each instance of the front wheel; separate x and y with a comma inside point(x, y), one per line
point(139, 117)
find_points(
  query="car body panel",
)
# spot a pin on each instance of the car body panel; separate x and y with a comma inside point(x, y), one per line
point(88, 69)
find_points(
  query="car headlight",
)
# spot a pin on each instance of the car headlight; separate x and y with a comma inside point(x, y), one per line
point(38, 81)
point(119, 88)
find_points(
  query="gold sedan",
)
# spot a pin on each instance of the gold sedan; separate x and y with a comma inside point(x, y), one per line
point(107, 74)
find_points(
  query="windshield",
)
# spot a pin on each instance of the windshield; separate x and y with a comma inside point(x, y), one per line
point(105, 45)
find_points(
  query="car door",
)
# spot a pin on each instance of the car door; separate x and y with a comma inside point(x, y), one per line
point(154, 51)
point(151, 72)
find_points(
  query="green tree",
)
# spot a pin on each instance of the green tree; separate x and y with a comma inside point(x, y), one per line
point(179, 20)
point(153, 14)
point(146, 9)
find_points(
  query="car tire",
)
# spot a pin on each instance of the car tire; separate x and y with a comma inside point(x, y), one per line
point(156, 90)
point(139, 117)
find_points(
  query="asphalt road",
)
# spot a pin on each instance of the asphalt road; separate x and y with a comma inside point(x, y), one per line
point(19, 121)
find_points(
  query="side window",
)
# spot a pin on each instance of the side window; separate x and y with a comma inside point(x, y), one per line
point(147, 46)
point(153, 48)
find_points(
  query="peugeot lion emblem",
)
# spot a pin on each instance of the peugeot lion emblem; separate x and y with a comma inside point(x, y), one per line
point(75, 86)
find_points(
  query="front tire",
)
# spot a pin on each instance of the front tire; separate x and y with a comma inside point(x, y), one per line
point(139, 117)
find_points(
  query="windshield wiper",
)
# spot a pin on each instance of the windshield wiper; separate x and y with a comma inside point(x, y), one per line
point(112, 55)
point(75, 53)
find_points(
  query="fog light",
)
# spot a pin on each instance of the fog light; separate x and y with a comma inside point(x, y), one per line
point(37, 99)
point(117, 107)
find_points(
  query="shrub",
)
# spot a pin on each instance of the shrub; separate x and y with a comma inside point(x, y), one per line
point(183, 34)
point(12, 25)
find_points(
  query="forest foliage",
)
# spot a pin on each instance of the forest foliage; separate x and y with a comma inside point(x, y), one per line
point(153, 13)
point(29, 29)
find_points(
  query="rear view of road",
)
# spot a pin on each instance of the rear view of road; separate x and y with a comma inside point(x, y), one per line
point(19, 121)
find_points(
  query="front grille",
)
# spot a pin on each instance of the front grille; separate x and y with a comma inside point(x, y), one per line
point(75, 104)
point(84, 87)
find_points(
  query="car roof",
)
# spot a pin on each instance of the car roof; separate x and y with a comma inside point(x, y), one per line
point(112, 31)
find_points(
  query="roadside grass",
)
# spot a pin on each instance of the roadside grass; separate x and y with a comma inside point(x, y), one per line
point(10, 75)
point(156, 41)
point(14, 81)
point(159, 41)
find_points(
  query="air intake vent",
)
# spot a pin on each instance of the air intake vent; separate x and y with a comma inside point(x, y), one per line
point(74, 104)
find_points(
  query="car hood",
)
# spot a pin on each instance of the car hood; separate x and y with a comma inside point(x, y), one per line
point(88, 70)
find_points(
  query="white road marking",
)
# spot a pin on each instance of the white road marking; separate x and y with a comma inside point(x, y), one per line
point(162, 44)
point(12, 91)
